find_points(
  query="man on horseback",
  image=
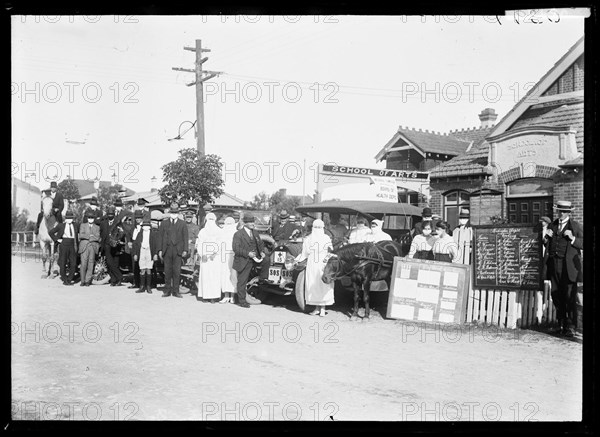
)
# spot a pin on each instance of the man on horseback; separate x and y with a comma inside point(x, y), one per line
point(58, 202)
point(46, 194)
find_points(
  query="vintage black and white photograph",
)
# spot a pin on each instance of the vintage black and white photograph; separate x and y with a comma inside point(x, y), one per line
point(306, 218)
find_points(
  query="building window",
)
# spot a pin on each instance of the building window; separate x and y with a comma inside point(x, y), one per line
point(453, 202)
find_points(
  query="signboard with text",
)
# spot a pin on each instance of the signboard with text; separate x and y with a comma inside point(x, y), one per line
point(428, 291)
point(507, 257)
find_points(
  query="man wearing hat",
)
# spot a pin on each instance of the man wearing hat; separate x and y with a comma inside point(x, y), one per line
point(246, 246)
point(132, 232)
point(463, 236)
point(94, 208)
point(58, 202)
point(564, 265)
point(193, 230)
point(172, 249)
point(67, 236)
point(426, 215)
point(145, 254)
point(142, 205)
point(89, 246)
point(156, 217)
point(286, 228)
point(108, 227)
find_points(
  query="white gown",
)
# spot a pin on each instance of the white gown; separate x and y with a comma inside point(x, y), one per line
point(207, 244)
point(315, 248)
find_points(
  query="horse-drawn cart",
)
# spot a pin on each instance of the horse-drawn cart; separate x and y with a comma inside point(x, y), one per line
point(398, 220)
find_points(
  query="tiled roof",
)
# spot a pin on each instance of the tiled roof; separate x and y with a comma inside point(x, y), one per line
point(475, 161)
point(477, 135)
point(563, 115)
point(434, 142)
point(470, 163)
point(228, 200)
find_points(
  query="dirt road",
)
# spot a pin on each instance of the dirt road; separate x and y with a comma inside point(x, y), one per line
point(107, 353)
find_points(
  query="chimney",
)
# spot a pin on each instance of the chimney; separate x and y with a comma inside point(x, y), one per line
point(283, 191)
point(487, 117)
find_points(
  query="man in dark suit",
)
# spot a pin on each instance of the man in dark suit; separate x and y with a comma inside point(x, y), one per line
point(67, 235)
point(107, 227)
point(142, 205)
point(564, 264)
point(173, 248)
point(246, 245)
point(58, 202)
point(132, 232)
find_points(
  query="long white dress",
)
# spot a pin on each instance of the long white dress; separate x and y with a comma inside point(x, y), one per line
point(315, 248)
point(207, 246)
point(228, 274)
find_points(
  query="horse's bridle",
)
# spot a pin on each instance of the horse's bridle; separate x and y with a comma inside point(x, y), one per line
point(358, 266)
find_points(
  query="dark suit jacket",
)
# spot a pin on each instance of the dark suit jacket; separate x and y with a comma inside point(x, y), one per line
point(180, 232)
point(58, 202)
point(573, 255)
point(105, 230)
point(137, 243)
point(57, 232)
point(284, 232)
point(242, 245)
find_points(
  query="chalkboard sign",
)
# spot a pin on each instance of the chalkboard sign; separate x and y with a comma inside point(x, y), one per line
point(507, 257)
point(428, 291)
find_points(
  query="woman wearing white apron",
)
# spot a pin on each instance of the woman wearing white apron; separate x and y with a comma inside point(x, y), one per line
point(207, 247)
point(315, 247)
point(228, 274)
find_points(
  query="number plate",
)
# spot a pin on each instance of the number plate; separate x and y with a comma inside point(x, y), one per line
point(279, 257)
point(274, 274)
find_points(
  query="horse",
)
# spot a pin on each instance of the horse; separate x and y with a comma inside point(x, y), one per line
point(46, 243)
point(363, 263)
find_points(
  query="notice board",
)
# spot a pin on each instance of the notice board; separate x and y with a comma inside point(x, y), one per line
point(507, 257)
point(428, 291)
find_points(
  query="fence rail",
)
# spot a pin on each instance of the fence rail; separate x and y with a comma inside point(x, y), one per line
point(23, 239)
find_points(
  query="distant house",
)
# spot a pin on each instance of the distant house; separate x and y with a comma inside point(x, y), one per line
point(87, 190)
point(25, 196)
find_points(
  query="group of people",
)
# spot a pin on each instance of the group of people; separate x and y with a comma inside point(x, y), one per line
point(434, 240)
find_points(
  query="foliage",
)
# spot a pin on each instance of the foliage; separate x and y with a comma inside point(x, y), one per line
point(68, 188)
point(192, 177)
point(279, 200)
point(19, 220)
point(107, 195)
point(261, 201)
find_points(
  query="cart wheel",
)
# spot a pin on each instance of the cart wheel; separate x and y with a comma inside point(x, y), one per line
point(299, 290)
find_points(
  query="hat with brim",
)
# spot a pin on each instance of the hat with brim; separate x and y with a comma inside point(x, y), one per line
point(283, 214)
point(564, 205)
point(426, 212)
point(464, 213)
point(69, 214)
point(174, 207)
point(90, 213)
point(248, 219)
point(118, 202)
point(53, 184)
point(141, 201)
point(94, 201)
point(146, 222)
point(545, 219)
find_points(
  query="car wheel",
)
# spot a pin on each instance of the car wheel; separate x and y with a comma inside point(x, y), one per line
point(299, 290)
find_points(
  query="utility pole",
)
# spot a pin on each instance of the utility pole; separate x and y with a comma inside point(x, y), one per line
point(199, 82)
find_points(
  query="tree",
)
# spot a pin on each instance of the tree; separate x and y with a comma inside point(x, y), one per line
point(19, 220)
point(280, 200)
point(192, 177)
point(69, 189)
point(261, 201)
point(107, 195)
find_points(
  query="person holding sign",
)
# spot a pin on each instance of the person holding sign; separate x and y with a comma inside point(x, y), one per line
point(444, 248)
point(421, 246)
point(564, 266)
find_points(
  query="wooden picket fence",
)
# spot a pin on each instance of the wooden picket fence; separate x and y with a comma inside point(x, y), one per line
point(511, 309)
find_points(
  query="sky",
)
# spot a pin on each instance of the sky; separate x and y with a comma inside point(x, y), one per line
point(96, 95)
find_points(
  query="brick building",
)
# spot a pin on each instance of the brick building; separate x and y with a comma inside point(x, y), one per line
point(527, 161)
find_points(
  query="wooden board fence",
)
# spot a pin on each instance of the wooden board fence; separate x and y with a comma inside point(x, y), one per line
point(510, 309)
